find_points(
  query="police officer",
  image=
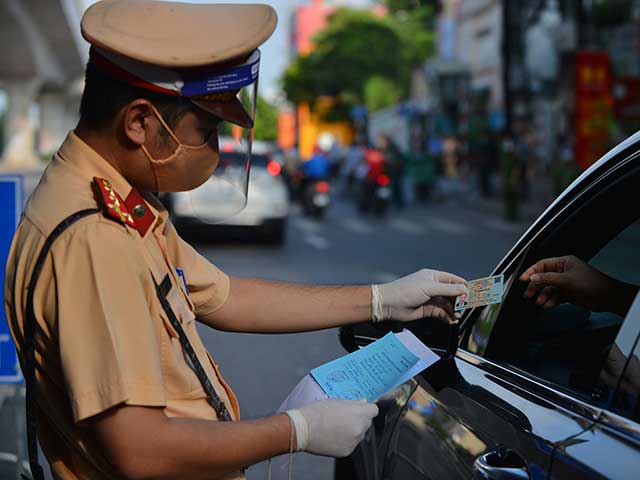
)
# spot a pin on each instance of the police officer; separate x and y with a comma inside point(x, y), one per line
point(102, 294)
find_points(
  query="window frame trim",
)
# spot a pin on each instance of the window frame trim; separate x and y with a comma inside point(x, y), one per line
point(548, 393)
point(620, 424)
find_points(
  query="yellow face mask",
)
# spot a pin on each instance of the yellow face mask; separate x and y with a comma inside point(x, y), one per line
point(187, 168)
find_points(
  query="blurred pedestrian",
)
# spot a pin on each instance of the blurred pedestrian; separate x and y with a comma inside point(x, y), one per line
point(395, 163)
point(354, 157)
point(317, 167)
point(422, 171)
point(488, 155)
point(524, 156)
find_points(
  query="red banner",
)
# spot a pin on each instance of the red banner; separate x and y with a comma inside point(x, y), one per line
point(593, 106)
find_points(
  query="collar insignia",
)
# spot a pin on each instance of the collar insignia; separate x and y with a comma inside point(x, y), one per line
point(112, 204)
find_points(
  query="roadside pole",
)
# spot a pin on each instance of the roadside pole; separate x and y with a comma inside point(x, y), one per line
point(13, 446)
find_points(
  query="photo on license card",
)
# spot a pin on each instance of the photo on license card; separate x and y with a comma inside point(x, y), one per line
point(461, 302)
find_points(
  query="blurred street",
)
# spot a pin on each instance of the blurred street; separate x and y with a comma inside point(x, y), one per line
point(344, 248)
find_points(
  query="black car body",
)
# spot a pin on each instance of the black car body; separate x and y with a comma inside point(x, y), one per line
point(519, 391)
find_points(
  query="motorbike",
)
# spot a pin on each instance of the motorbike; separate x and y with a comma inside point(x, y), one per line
point(316, 198)
point(375, 195)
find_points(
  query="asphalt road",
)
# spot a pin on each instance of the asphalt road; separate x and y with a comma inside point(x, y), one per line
point(343, 248)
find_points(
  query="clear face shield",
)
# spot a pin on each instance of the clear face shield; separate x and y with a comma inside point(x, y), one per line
point(231, 96)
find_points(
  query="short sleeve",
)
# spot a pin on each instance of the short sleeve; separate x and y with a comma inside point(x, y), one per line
point(109, 345)
point(208, 285)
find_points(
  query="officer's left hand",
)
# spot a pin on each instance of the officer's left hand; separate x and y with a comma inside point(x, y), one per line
point(426, 293)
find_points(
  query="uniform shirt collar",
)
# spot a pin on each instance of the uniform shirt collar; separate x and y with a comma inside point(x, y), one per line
point(84, 159)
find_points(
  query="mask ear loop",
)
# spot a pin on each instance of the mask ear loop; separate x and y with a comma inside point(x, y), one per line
point(171, 134)
point(290, 476)
point(164, 124)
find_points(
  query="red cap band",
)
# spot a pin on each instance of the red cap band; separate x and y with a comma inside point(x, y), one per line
point(114, 71)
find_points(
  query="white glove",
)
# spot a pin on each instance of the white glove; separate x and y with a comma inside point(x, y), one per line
point(407, 298)
point(332, 427)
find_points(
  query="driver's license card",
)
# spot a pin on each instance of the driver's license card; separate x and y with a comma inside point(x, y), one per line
point(480, 292)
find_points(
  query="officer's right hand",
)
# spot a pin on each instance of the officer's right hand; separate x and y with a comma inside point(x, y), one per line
point(332, 427)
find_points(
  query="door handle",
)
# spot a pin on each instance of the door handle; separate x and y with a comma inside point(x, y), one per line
point(500, 465)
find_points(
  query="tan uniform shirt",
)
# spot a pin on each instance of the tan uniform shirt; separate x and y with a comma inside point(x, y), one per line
point(102, 337)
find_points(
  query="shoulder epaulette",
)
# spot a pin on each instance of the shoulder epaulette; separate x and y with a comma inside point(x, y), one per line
point(112, 204)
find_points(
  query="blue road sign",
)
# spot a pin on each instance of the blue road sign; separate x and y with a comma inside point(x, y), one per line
point(11, 204)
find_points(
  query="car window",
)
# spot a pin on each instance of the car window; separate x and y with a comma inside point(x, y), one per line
point(623, 365)
point(567, 341)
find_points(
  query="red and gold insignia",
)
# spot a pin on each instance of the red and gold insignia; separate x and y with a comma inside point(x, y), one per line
point(112, 204)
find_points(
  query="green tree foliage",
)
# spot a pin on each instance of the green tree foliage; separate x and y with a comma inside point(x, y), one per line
point(266, 124)
point(417, 30)
point(380, 93)
point(361, 58)
point(354, 46)
point(396, 6)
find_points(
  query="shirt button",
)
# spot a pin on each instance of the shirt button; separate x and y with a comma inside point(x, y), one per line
point(139, 210)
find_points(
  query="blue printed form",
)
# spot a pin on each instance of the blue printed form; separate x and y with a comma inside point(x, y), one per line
point(367, 373)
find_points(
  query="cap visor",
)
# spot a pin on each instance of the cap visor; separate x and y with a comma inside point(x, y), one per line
point(230, 111)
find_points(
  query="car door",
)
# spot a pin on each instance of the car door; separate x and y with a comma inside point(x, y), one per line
point(524, 380)
point(611, 447)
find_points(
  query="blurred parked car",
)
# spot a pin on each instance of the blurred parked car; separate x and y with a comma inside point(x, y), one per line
point(267, 207)
point(523, 392)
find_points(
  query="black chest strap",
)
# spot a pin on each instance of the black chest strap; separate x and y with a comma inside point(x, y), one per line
point(162, 290)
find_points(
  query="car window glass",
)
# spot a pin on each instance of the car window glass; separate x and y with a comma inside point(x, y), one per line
point(568, 343)
point(620, 259)
point(486, 319)
point(623, 365)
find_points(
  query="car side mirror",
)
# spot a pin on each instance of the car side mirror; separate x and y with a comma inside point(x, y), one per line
point(441, 337)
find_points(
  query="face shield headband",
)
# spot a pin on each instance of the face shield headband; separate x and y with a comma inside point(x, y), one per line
point(214, 88)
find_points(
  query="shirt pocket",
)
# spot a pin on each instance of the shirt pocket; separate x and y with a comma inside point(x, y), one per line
point(180, 379)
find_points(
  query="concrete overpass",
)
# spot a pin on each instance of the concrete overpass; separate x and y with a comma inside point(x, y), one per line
point(42, 58)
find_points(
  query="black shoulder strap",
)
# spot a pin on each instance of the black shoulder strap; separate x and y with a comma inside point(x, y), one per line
point(30, 343)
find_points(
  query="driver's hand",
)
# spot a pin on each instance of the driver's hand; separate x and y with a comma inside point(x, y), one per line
point(568, 279)
point(425, 293)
